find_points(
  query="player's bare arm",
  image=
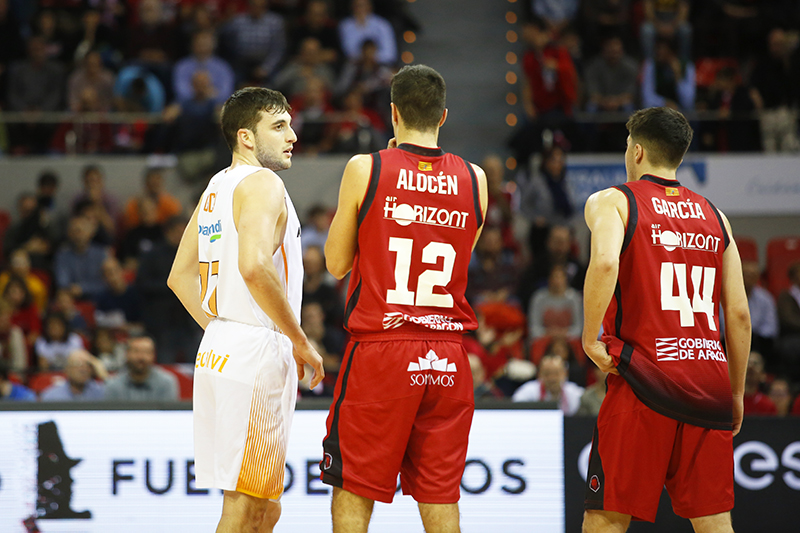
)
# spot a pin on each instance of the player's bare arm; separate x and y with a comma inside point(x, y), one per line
point(260, 212)
point(606, 214)
point(340, 248)
point(183, 277)
point(737, 324)
point(483, 194)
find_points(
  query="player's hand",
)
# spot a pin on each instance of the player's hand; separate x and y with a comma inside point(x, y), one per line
point(306, 354)
point(597, 352)
point(392, 143)
point(738, 414)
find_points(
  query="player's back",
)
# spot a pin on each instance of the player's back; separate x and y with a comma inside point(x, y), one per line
point(666, 303)
point(224, 293)
point(416, 228)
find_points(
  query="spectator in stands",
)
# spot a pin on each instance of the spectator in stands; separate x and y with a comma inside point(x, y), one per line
point(119, 304)
point(151, 40)
point(308, 63)
point(144, 237)
point(35, 84)
point(219, 72)
point(12, 46)
point(666, 19)
point(138, 91)
point(168, 206)
point(369, 75)
point(141, 380)
point(604, 18)
point(318, 24)
point(78, 135)
point(549, 90)
point(497, 342)
point(776, 82)
point(789, 319)
point(91, 74)
point(332, 339)
point(365, 25)
point(358, 128)
point(558, 251)
point(498, 209)
point(95, 191)
point(19, 265)
point(13, 348)
point(593, 396)
point(315, 230)
point(25, 314)
point(64, 304)
point(735, 130)
point(551, 385)
point(559, 345)
point(258, 42)
point(780, 392)
point(77, 265)
point(611, 79)
point(56, 343)
point(763, 313)
point(10, 391)
point(175, 332)
point(755, 401)
point(33, 231)
point(546, 199)
point(194, 122)
point(730, 27)
point(109, 350)
point(493, 275)
point(668, 80)
point(556, 310)
point(47, 27)
point(96, 36)
point(81, 368)
point(312, 114)
point(483, 388)
point(318, 286)
point(558, 14)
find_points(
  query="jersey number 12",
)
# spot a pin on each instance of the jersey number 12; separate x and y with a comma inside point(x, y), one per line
point(426, 281)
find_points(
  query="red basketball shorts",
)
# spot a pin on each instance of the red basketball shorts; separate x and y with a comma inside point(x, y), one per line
point(636, 452)
point(400, 407)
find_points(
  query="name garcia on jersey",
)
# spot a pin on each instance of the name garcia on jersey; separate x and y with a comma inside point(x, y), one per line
point(684, 210)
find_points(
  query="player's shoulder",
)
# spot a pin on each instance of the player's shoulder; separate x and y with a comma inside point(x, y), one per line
point(610, 196)
point(262, 181)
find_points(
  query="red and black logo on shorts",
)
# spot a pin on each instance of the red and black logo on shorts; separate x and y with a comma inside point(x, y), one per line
point(328, 462)
point(594, 484)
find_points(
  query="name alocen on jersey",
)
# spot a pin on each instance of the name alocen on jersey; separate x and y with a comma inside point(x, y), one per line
point(441, 184)
point(687, 209)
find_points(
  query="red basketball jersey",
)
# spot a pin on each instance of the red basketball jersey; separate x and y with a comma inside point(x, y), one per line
point(416, 228)
point(666, 304)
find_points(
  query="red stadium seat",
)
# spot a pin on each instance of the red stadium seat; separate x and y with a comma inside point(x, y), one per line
point(5, 222)
point(86, 309)
point(781, 253)
point(748, 248)
point(39, 382)
point(185, 381)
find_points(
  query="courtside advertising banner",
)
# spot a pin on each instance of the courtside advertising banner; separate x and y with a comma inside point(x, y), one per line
point(133, 471)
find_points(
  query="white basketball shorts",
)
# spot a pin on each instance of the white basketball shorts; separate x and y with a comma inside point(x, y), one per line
point(245, 389)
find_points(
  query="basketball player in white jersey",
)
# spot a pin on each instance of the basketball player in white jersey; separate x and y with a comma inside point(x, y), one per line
point(245, 238)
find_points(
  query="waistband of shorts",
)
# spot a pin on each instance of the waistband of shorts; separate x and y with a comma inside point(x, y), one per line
point(440, 336)
point(271, 327)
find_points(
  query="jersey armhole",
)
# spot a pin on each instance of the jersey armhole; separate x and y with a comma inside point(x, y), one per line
point(725, 235)
point(476, 196)
point(633, 215)
point(372, 188)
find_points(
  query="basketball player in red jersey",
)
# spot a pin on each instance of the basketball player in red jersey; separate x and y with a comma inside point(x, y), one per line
point(407, 221)
point(663, 259)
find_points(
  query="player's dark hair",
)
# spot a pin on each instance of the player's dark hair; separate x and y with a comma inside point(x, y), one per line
point(664, 133)
point(419, 94)
point(243, 110)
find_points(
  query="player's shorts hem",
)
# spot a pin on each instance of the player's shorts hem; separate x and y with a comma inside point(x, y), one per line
point(437, 499)
point(365, 491)
point(640, 515)
point(700, 512)
point(270, 497)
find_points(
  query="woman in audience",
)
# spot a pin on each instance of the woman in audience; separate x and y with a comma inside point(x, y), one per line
point(56, 343)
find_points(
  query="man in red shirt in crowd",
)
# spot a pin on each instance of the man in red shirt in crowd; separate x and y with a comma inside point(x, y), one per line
point(407, 221)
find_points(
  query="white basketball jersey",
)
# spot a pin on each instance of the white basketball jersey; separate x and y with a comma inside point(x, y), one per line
point(223, 291)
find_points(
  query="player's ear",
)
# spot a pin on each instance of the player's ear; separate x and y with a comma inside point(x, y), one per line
point(246, 138)
point(395, 114)
point(638, 153)
point(444, 118)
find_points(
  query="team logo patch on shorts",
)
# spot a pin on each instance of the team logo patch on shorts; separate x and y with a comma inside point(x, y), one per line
point(594, 483)
point(327, 462)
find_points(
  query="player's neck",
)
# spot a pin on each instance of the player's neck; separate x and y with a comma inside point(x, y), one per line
point(659, 172)
point(240, 159)
point(426, 139)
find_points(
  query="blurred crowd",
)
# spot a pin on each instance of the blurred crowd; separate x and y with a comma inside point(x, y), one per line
point(735, 62)
point(180, 60)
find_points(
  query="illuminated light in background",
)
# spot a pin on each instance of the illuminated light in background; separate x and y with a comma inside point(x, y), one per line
point(511, 77)
point(511, 164)
point(511, 58)
point(511, 99)
point(511, 35)
point(511, 119)
point(511, 17)
point(407, 57)
point(409, 36)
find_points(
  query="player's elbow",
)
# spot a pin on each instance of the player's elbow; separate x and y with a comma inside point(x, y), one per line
point(337, 270)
